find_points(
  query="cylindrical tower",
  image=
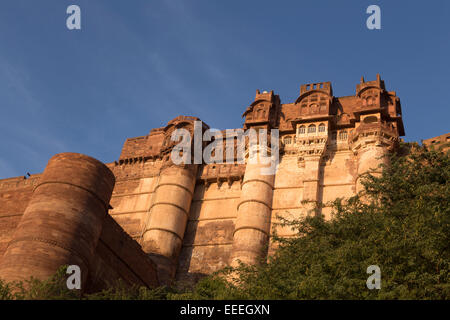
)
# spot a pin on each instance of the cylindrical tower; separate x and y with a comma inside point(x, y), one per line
point(62, 222)
point(164, 231)
point(252, 229)
point(369, 159)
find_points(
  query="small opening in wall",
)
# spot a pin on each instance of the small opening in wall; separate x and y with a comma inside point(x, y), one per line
point(370, 119)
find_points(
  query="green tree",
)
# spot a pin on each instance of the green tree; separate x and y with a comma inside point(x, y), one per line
point(401, 222)
point(53, 288)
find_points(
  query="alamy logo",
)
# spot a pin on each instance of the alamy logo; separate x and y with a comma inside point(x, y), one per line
point(261, 150)
point(74, 280)
point(73, 22)
point(374, 20)
point(374, 281)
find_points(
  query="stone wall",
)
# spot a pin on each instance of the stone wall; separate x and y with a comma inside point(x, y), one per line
point(116, 254)
point(192, 220)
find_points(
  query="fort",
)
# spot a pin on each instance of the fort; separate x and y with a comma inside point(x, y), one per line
point(148, 221)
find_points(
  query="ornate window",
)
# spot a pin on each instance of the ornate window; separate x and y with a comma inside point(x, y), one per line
point(321, 127)
point(311, 128)
point(301, 130)
point(287, 140)
point(343, 135)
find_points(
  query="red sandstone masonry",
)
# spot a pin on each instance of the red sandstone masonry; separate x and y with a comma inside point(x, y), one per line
point(317, 166)
point(63, 224)
point(63, 220)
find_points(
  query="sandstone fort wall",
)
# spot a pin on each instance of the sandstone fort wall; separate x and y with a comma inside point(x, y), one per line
point(186, 221)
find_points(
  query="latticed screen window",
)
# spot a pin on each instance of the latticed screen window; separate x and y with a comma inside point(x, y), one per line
point(343, 135)
point(301, 130)
point(312, 129)
point(321, 127)
point(287, 140)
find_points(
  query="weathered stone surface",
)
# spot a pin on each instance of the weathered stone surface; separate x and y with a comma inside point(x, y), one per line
point(192, 220)
point(65, 219)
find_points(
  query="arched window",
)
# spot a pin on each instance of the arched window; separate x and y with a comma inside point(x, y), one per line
point(301, 130)
point(343, 135)
point(287, 140)
point(321, 127)
point(370, 119)
point(311, 128)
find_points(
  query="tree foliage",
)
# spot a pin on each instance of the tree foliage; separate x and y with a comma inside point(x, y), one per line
point(401, 222)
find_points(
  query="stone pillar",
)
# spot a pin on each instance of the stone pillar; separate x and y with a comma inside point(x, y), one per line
point(63, 220)
point(164, 232)
point(252, 229)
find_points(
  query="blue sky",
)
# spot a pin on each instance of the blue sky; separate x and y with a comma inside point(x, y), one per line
point(137, 64)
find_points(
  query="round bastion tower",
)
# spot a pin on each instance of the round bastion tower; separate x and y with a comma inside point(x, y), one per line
point(62, 222)
point(372, 143)
point(370, 158)
point(252, 230)
point(164, 232)
point(164, 229)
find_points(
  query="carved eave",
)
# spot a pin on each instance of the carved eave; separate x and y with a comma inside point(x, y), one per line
point(255, 103)
point(349, 125)
point(311, 118)
point(367, 110)
point(182, 121)
point(367, 134)
point(365, 88)
point(307, 93)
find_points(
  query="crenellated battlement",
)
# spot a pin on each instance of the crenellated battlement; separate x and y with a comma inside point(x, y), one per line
point(319, 86)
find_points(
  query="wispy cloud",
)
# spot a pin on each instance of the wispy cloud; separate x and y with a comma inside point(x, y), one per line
point(14, 82)
point(23, 121)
